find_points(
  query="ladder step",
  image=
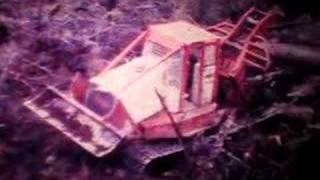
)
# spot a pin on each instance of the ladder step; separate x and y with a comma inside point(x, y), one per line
point(218, 29)
point(258, 46)
point(258, 37)
point(227, 24)
point(252, 20)
point(257, 56)
point(261, 12)
point(249, 62)
point(236, 45)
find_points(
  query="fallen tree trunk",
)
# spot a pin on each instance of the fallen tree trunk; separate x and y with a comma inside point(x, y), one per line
point(299, 54)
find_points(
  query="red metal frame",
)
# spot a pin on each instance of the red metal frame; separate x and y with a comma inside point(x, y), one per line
point(118, 59)
point(238, 67)
point(230, 37)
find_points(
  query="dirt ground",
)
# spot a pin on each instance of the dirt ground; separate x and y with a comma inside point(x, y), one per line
point(275, 136)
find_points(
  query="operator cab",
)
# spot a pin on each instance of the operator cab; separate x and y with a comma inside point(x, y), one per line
point(186, 79)
point(191, 72)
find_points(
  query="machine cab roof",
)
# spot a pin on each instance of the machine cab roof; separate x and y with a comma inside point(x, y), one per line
point(177, 34)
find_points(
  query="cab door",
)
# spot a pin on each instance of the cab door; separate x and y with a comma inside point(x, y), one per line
point(204, 86)
point(209, 74)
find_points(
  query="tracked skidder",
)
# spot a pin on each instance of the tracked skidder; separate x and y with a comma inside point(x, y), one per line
point(165, 85)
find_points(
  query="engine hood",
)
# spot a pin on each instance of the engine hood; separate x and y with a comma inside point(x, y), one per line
point(134, 87)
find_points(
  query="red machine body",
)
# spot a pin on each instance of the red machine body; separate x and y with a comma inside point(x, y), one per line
point(181, 64)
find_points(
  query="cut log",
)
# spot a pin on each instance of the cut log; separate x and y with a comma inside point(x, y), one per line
point(299, 54)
